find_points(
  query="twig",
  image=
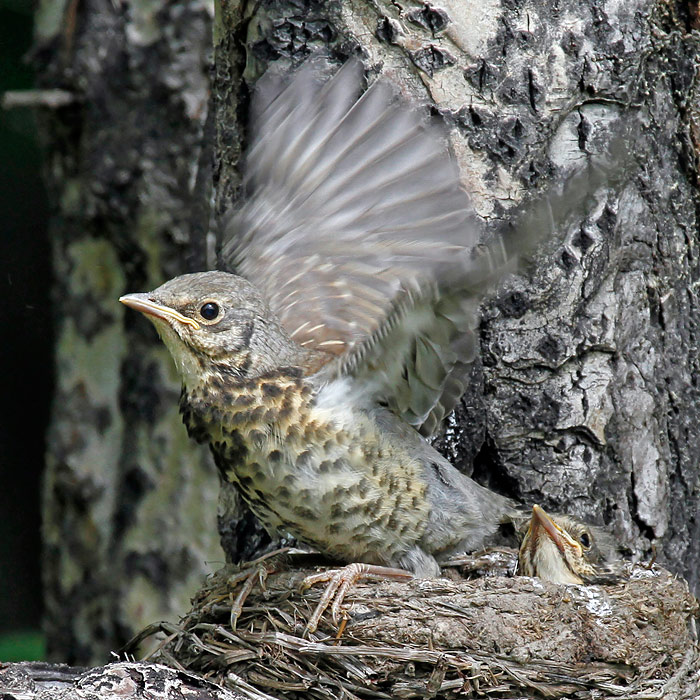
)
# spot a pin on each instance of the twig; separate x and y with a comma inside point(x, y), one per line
point(53, 99)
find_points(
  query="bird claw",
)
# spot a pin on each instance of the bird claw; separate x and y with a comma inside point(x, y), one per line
point(251, 576)
point(339, 583)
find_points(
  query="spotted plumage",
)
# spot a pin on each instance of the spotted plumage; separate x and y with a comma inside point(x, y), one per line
point(295, 461)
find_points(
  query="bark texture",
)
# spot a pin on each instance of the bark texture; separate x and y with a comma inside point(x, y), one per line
point(585, 398)
point(129, 504)
point(40, 681)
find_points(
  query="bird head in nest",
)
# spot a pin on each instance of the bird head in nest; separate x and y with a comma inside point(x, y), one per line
point(562, 549)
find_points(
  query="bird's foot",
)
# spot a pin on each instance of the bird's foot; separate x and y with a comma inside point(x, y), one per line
point(339, 583)
point(251, 576)
point(254, 572)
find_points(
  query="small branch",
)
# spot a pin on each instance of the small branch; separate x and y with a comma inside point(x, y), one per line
point(53, 99)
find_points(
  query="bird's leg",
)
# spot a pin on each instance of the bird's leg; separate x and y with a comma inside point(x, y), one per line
point(255, 571)
point(340, 581)
point(250, 578)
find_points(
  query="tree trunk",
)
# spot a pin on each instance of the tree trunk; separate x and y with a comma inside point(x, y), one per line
point(129, 507)
point(584, 399)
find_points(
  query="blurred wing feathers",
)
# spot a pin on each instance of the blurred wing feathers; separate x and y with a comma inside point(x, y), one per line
point(352, 206)
point(356, 229)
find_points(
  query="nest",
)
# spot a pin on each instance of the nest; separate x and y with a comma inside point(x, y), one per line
point(495, 636)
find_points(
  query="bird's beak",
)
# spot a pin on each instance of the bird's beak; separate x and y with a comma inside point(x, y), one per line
point(560, 537)
point(141, 302)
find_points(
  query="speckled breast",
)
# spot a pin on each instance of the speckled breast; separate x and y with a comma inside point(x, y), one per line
point(328, 476)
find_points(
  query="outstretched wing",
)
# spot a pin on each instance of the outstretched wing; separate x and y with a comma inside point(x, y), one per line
point(348, 200)
point(357, 230)
point(418, 360)
point(353, 211)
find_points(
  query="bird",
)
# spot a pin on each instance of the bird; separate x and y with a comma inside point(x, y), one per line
point(318, 371)
point(563, 549)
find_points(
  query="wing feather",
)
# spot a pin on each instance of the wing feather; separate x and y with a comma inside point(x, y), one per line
point(356, 229)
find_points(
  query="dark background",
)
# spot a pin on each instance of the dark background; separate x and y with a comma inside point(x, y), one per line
point(25, 350)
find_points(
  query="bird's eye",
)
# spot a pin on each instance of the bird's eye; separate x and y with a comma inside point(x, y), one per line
point(585, 540)
point(209, 311)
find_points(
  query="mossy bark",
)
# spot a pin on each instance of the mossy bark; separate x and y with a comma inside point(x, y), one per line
point(129, 503)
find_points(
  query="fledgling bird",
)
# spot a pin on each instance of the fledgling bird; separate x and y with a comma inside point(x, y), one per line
point(562, 549)
point(316, 373)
